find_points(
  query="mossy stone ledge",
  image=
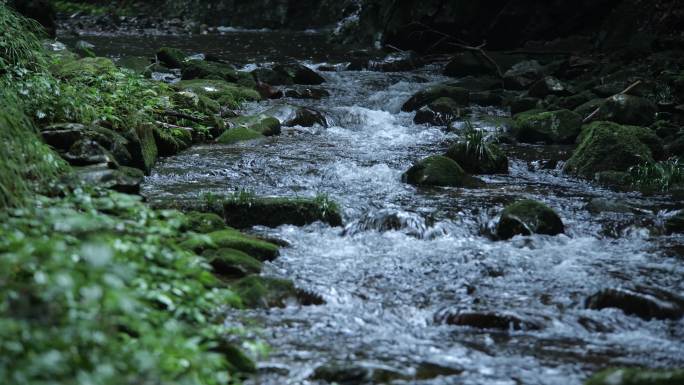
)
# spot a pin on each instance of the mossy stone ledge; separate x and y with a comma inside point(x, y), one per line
point(439, 171)
point(232, 239)
point(527, 217)
point(245, 212)
point(551, 127)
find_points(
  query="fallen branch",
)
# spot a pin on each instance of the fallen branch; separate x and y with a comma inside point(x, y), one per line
point(180, 115)
point(596, 111)
point(173, 126)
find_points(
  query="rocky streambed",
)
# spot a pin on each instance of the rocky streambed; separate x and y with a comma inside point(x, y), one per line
point(437, 275)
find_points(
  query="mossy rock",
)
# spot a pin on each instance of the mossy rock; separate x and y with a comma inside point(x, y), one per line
point(424, 97)
point(586, 109)
point(171, 57)
point(273, 212)
point(200, 103)
point(199, 69)
point(264, 124)
point(637, 376)
point(440, 112)
point(86, 67)
point(439, 171)
point(239, 134)
point(490, 161)
point(142, 146)
point(232, 239)
point(238, 361)
point(552, 127)
point(629, 110)
point(607, 146)
point(232, 264)
point(226, 94)
point(527, 217)
point(171, 141)
point(265, 292)
point(202, 223)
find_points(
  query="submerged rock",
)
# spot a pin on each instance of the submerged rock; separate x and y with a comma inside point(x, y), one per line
point(553, 127)
point(486, 320)
point(637, 376)
point(659, 305)
point(488, 159)
point(439, 171)
point(527, 217)
point(265, 292)
point(459, 95)
point(245, 212)
point(606, 146)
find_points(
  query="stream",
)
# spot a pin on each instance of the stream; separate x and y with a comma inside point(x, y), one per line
point(408, 254)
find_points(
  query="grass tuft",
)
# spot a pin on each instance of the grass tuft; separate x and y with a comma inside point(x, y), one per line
point(658, 176)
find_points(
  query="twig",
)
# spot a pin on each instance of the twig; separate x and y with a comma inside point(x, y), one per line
point(596, 111)
point(169, 125)
point(178, 114)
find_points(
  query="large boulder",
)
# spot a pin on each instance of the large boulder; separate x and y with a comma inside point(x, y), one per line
point(288, 74)
point(430, 94)
point(239, 134)
point(439, 171)
point(527, 217)
point(522, 75)
point(264, 124)
point(606, 146)
point(479, 158)
point(628, 109)
point(226, 94)
point(290, 116)
point(552, 127)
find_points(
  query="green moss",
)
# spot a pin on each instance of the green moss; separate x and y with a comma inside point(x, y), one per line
point(144, 148)
point(199, 69)
point(608, 146)
point(247, 211)
point(231, 263)
point(636, 376)
point(237, 359)
point(528, 217)
point(171, 141)
point(439, 171)
point(476, 155)
point(551, 127)
point(89, 67)
point(232, 239)
point(238, 134)
point(171, 57)
point(265, 292)
point(203, 222)
point(226, 94)
point(263, 124)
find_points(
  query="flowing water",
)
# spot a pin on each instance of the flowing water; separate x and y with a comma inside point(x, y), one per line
point(407, 254)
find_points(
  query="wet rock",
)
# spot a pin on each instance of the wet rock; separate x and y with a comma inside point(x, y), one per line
point(389, 220)
point(648, 305)
point(268, 92)
point(487, 159)
point(574, 101)
point(522, 104)
point(440, 112)
point(239, 134)
point(238, 361)
point(266, 292)
point(248, 211)
point(675, 224)
point(348, 373)
point(602, 205)
point(522, 75)
point(469, 63)
point(202, 223)
point(264, 124)
point(288, 74)
point(171, 141)
point(606, 146)
point(527, 217)
point(226, 94)
point(428, 95)
point(232, 264)
point(62, 136)
point(199, 69)
point(192, 101)
point(586, 109)
point(549, 86)
point(290, 116)
point(142, 147)
point(477, 84)
point(486, 98)
point(428, 370)
point(628, 109)
point(439, 171)
point(232, 239)
point(553, 127)
point(486, 320)
point(89, 152)
point(171, 57)
point(123, 179)
point(405, 61)
point(307, 93)
point(637, 376)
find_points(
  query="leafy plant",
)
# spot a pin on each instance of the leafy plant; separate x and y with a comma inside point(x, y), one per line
point(659, 176)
